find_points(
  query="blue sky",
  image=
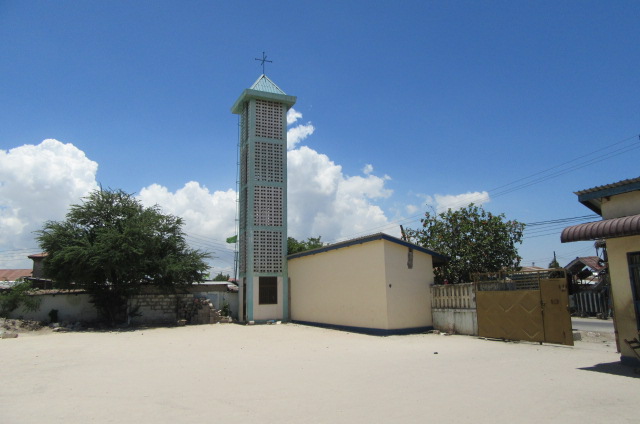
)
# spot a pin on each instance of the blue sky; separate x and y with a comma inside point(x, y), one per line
point(400, 105)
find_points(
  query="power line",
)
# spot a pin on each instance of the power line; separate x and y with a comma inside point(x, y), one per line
point(535, 178)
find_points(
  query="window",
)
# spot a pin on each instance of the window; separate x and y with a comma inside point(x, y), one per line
point(268, 290)
point(410, 258)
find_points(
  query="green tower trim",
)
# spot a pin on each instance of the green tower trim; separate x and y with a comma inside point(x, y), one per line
point(251, 227)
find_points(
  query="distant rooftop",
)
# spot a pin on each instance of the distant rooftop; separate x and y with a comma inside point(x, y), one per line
point(265, 84)
point(14, 274)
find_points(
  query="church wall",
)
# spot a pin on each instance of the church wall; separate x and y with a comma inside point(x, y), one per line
point(408, 287)
point(342, 287)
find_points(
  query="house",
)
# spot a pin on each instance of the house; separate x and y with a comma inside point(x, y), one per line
point(619, 205)
point(9, 276)
point(377, 284)
point(585, 270)
point(589, 289)
point(14, 274)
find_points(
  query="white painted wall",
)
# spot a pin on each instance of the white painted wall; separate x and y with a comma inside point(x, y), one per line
point(408, 289)
point(366, 285)
point(71, 308)
point(267, 312)
point(344, 287)
point(456, 321)
point(617, 249)
point(620, 205)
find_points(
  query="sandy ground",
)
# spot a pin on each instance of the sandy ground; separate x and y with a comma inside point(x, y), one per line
point(296, 374)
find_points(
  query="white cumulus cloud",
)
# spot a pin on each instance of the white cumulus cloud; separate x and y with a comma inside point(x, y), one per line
point(209, 218)
point(205, 213)
point(38, 183)
point(292, 116)
point(443, 202)
point(325, 202)
point(297, 134)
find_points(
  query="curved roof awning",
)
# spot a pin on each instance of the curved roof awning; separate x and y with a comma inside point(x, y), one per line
point(607, 228)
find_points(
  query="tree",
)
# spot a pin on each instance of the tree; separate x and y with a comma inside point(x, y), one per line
point(473, 239)
point(111, 246)
point(295, 246)
point(18, 295)
point(554, 263)
point(221, 277)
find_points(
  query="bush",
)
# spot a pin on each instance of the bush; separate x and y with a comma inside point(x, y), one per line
point(17, 296)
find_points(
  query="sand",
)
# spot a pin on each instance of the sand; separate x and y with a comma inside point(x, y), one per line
point(296, 374)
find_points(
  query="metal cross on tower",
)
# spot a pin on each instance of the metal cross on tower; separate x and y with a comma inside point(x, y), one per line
point(264, 59)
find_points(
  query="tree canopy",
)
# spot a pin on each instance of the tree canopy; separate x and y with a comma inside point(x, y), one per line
point(111, 246)
point(18, 296)
point(554, 263)
point(475, 241)
point(222, 277)
point(295, 246)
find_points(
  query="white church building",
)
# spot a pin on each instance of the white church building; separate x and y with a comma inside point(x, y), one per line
point(377, 284)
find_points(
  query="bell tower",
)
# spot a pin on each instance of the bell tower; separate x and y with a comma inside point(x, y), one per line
point(262, 232)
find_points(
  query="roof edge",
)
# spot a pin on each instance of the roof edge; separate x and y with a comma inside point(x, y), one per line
point(438, 258)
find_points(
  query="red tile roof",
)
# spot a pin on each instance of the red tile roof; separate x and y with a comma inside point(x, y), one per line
point(14, 274)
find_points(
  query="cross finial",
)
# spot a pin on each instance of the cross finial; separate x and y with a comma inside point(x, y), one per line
point(264, 59)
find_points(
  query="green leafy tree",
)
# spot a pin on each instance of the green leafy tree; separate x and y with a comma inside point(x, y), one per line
point(554, 263)
point(475, 241)
point(221, 277)
point(19, 295)
point(111, 246)
point(295, 246)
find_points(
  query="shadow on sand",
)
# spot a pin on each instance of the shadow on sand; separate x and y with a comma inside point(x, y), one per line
point(615, 368)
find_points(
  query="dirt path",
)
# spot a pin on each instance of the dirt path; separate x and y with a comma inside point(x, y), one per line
point(297, 374)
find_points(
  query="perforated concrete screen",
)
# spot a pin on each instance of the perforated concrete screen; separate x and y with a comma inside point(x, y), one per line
point(244, 122)
point(244, 158)
point(243, 253)
point(267, 250)
point(269, 121)
point(262, 188)
point(269, 158)
point(267, 204)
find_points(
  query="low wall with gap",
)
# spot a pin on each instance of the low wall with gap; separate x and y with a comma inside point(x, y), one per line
point(453, 307)
point(149, 307)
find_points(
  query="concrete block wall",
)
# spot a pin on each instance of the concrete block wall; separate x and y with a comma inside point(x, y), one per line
point(157, 308)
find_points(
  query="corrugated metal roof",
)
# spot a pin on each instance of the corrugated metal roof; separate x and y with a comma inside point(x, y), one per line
point(607, 228)
point(592, 262)
point(608, 186)
point(14, 274)
point(265, 84)
point(592, 197)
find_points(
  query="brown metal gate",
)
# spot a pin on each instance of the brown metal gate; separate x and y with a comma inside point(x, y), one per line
point(531, 306)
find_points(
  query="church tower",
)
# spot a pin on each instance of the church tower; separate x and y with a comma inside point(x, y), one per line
point(264, 285)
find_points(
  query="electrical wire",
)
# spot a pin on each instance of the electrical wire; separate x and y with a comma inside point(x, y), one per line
point(524, 182)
